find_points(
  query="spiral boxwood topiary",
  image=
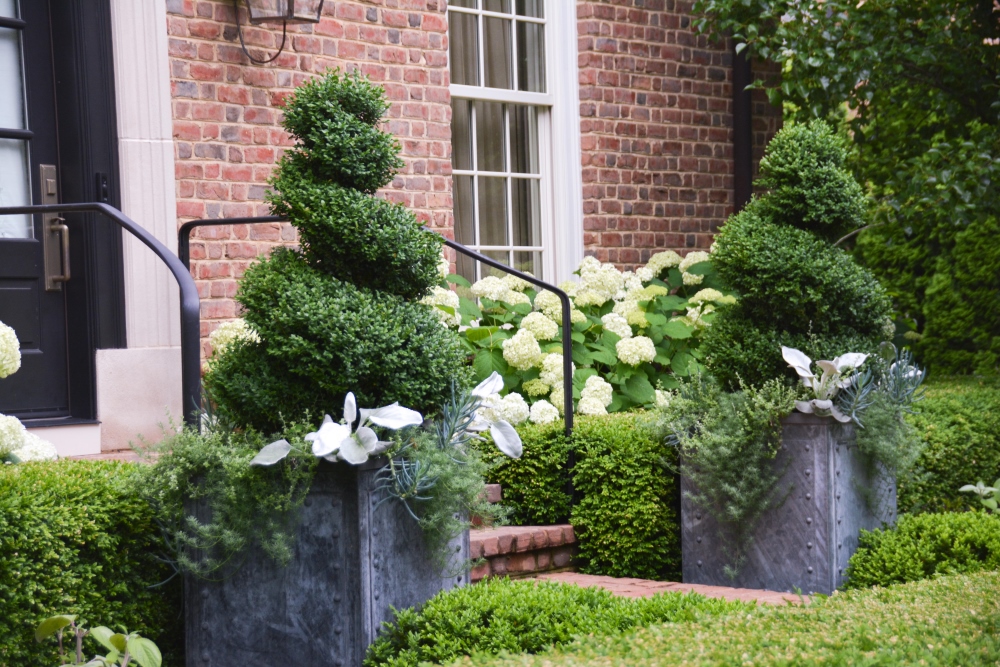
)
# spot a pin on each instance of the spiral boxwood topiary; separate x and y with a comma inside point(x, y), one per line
point(795, 287)
point(340, 314)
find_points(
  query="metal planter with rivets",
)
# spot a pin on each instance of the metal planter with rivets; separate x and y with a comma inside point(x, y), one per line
point(354, 559)
point(803, 544)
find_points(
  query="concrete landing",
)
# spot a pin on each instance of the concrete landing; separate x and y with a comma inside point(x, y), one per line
point(634, 588)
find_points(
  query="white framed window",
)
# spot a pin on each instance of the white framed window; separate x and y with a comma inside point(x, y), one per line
point(509, 193)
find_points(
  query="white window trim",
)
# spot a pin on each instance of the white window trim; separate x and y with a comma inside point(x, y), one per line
point(560, 154)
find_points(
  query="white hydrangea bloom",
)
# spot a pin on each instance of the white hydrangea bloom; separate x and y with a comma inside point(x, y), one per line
point(570, 287)
point(11, 434)
point(695, 316)
point(230, 332)
point(552, 370)
point(598, 389)
point(691, 279)
point(35, 449)
point(693, 258)
point(663, 260)
point(599, 283)
point(540, 326)
point(558, 398)
point(663, 398)
point(549, 305)
point(708, 294)
point(543, 412)
point(645, 274)
point(10, 351)
point(632, 313)
point(617, 325)
point(633, 282)
point(490, 287)
point(634, 351)
point(514, 298)
point(522, 351)
point(444, 267)
point(516, 284)
point(512, 408)
point(440, 296)
point(577, 316)
point(589, 405)
point(536, 388)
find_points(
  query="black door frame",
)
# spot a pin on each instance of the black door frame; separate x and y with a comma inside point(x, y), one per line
point(83, 68)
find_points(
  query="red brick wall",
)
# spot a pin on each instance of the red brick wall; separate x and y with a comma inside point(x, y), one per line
point(656, 110)
point(226, 118)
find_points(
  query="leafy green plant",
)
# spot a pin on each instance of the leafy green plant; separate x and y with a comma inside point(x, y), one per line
point(727, 443)
point(632, 332)
point(500, 615)
point(921, 546)
point(922, 85)
point(340, 314)
point(795, 289)
point(211, 505)
point(988, 495)
point(75, 537)
point(959, 424)
point(949, 620)
point(123, 647)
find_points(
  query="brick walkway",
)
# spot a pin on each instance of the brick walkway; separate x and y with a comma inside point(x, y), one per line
point(634, 588)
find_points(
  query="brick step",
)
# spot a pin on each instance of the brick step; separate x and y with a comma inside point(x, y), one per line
point(521, 551)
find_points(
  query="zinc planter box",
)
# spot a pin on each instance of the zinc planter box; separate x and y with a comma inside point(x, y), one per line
point(804, 543)
point(352, 562)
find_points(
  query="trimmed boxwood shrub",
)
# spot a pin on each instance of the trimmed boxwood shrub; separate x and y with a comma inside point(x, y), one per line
point(627, 516)
point(959, 419)
point(626, 506)
point(523, 617)
point(921, 546)
point(75, 539)
point(341, 314)
point(942, 622)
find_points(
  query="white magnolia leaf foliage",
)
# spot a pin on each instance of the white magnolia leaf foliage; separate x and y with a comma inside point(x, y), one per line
point(828, 385)
point(272, 453)
point(506, 439)
point(392, 416)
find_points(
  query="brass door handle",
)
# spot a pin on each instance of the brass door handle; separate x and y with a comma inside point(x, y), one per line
point(59, 225)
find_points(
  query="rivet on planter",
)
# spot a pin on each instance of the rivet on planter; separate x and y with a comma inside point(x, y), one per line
point(809, 545)
point(809, 519)
point(458, 548)
point(808, 471)
point(699, 539)
point(337, 631)
point(807, 448)
point(204, 594)
point(308, 502)
point(838, 519)
point(458, 580)
point(838, 472)
point(336, 598)
point(809, 496)
point(698, 517)
point(809, 569)
point(699, 563)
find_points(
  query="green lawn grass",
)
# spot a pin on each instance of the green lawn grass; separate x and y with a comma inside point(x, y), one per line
point(950, 621)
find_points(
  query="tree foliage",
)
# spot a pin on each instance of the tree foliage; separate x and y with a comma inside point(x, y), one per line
point(916, 86)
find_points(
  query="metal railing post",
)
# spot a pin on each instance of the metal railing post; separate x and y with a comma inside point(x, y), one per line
point(190, 303)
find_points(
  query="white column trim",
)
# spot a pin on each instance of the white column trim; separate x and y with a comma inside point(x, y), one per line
point(567, 158)
point(146, 157)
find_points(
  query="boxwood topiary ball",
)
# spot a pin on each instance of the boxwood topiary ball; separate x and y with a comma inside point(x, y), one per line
point(354, 236)
point(334, 118)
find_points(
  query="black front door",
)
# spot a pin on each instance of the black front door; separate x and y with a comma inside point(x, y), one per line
point(29, 158)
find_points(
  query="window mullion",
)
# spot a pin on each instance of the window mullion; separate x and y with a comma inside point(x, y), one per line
point(509, 166)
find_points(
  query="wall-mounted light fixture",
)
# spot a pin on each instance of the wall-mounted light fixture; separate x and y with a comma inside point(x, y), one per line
point(275, 11)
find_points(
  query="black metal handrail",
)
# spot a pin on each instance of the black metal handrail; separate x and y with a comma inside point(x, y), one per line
point(184, 252)
point(190, 303)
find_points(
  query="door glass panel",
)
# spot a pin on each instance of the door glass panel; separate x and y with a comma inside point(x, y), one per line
point(12, 94)
point(492, 211)
point(8, 8)
point(463, 36)
point(496, 35)
point(531, 57)
point(490, 138)
point(14, 188)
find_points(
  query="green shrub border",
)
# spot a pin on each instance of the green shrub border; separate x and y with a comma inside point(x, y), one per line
point(75, 538)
